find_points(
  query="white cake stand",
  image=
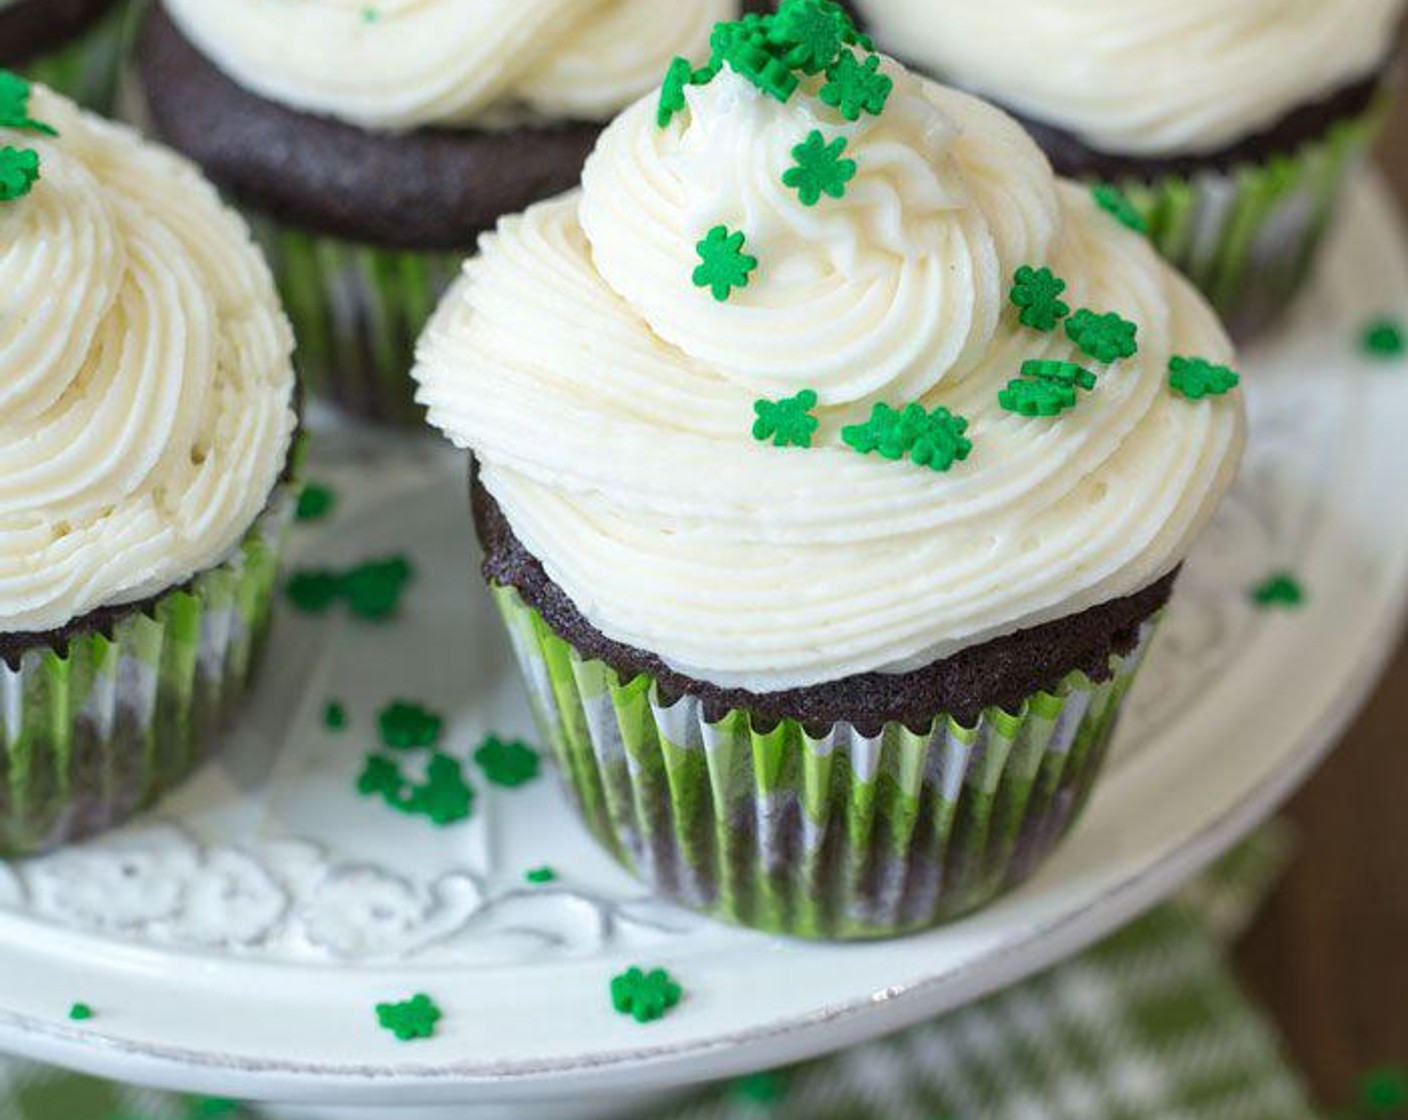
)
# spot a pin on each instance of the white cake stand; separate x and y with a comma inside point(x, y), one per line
point(235, 942)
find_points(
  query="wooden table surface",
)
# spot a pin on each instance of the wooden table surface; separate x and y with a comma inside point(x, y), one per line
point(1330, 954)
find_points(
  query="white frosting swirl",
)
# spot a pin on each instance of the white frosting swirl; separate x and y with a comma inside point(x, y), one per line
point(145, 375)
point(610, 401)
point(1144, 77)
point(449, 62)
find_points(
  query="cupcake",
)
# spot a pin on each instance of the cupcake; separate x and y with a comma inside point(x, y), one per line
point(145, 440)
point(371, 145)
point(1226, 131)
point(835, 462)
point(73, 46)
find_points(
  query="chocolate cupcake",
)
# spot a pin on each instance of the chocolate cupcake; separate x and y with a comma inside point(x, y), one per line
point(835, 463)
point(145, 432)
point(73, 46)
point(1226, 131)
point(376, 143)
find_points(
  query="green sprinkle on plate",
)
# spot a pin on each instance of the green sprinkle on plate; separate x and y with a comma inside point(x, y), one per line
point(410, 1020)
point(315, 502)
point(645, 996)
point(1281, 590)
point(1384, 338)
point(540, 875)
point(80, 1013)
point(507, 763)
point(408, 725)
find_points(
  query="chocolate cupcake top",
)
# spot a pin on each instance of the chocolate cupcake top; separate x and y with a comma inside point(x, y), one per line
point(824, 373)
point(1144, 77)
point(145, 373)
point(403, 64)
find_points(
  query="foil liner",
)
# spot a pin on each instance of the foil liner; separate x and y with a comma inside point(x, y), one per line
point(837, 835)
point(87, 68)
point(357, 311)
point(92, 733)
point(1249, 236)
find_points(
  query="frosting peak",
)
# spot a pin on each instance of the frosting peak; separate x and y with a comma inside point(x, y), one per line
point(611, 399)
point(145, 375)
point(445, 63)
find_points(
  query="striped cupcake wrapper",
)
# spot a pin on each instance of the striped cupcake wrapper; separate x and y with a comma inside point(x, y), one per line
point(357, 311)
point(836, 836)
point(87, 68)
point(1248, 237)
point(99, 730)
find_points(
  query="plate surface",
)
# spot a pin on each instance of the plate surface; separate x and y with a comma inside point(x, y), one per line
point(236, 941)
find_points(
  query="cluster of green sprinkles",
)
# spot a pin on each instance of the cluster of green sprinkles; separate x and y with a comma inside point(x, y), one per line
point(1279, 591)
point(372, 591)
point(802, 39)
point(19, 167)
point(645, 996)
point(1046, 388)
point(444, 796)
point(1197, 378)
point(933, 439)
point(410, 1020)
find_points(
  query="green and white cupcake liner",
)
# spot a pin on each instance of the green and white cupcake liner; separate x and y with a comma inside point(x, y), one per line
point(87, 68)
point(101, 729)
point(837, 835)
point(357, 311)
point(1248, 236)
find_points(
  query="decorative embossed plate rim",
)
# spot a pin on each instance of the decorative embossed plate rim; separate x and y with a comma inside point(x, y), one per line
point(1237, 710)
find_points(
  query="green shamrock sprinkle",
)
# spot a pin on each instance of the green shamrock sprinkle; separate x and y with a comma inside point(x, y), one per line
point(932, 439)
point(381, 777)
point(445, 797)
point(371, 591)
point(1036, 398)
point(334, 716)
point(854, 87)
point(723, 263)
point(1114, 201)
point(315, 502)
point(15, 92)
point(1037, 291)
point(1068, 374)
point(759, 1088)
point(1384, 1092)
point(540, 875)
point(819, 169)
point(744, 45)
point(1280, 590)
point(508, 763)
point(413, 1019)
point(19, 171)
point(406, 725)
point(211, 1108)
point(812, 32)
point(645, 996)
point(1384, 338)
point(788, 422)
point(672, 100)
point(1196, 378)
point(80, 1013)
point(1106, 338)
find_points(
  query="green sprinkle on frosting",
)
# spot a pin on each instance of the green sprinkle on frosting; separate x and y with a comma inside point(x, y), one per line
point(1196, 378)
point(1037, 292)
point(1384, 338)
point(19, 171)
point(1280, 590)
point(812, 33)
point(1106, 338)
point(724, 265)
point(854, 87)
point(672, 100)
point(15, 92)
point(410, 1020)
point(931, 439)
point(1046, 388)
point(645, 996)
point(787, 422)
point(407, 725)
point(819, 169)
point(507, 762)
point(1114, 201)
